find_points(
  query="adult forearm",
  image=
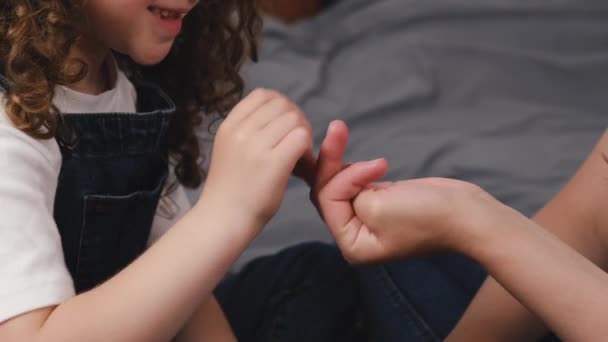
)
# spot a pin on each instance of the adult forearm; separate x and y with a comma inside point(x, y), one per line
point(546, 275)
point(154, 297)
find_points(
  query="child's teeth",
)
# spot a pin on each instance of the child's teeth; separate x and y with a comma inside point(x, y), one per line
point(165, 13)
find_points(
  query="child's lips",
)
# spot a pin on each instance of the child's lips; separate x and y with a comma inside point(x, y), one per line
point(168, 13)
point(169, 19)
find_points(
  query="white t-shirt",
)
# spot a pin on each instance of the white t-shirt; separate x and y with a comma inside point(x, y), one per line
point(33, 273)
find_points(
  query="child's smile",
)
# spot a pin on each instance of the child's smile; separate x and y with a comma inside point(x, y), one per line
point(169, 18)
point(143, 29)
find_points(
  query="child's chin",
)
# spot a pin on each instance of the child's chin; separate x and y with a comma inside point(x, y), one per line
point(150, 56)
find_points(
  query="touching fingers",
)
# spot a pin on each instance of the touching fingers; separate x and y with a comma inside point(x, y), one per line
point(335, 198)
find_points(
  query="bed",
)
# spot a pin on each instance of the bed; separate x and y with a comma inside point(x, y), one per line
point(508, 94)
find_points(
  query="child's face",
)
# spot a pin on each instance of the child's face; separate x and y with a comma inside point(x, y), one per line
point(142, 29)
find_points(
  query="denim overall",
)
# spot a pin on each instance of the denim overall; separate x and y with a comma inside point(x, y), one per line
point(113, 170)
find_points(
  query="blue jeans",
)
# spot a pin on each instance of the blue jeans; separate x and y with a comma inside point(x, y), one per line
point(309, 293)
point(418, 299)
point(305, 293)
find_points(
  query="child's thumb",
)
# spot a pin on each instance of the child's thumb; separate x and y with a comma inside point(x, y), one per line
point(347, 184)
point(335, 199)
point(332, 150)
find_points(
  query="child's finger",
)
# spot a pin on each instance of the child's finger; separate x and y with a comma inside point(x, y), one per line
point(293, 146)
point(335, 198)
point(267, 113)
point(250, 104)
point(347, 184)
point(332, 151)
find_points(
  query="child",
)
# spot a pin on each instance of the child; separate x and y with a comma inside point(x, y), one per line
point(100, 98)
point(557, 278)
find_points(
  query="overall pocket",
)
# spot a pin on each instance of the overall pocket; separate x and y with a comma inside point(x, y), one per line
point(114, 232)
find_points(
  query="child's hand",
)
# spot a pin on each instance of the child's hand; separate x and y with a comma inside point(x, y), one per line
point(336, 184)
point(414, 217)
point(255, 151)
point(378, 222)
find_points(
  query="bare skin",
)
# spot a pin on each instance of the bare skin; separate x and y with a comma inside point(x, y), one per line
point(554, 272)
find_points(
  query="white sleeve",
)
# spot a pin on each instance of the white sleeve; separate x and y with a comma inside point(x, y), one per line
point(33, 273)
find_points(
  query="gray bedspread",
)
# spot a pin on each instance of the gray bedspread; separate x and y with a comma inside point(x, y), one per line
point(508, 94)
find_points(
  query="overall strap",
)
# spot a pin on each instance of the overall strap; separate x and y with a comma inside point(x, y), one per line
point(4, 84)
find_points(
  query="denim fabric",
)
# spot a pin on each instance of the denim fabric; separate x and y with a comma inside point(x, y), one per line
point(304, 293)
point(113, 170)
point(114, 166)
point(420, 299)
point(3, 84)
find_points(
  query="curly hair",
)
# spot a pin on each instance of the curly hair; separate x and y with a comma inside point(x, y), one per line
point(201, 73)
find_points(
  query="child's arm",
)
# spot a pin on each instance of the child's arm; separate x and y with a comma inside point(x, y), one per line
point(395, 220)
point(576, 215)
point(152, 298)
point(560, 286)
point(207, 324)
point(255, 151)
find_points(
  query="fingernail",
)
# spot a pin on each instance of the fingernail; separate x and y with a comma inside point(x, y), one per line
point(331, 125)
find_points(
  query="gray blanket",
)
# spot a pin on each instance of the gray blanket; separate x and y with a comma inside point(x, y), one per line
point(508, 94)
